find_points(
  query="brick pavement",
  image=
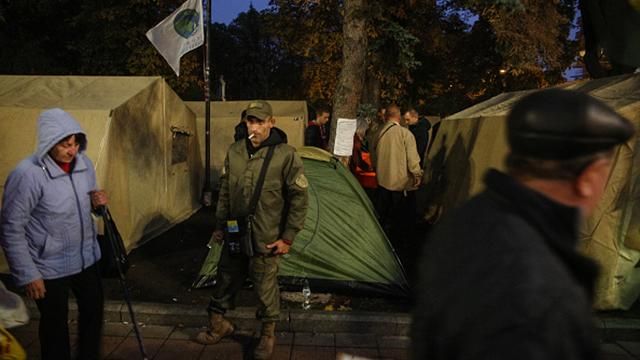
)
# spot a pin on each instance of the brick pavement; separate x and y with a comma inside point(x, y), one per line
point(174, 342)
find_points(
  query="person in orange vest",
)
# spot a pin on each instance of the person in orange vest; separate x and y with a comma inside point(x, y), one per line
point(361, 165)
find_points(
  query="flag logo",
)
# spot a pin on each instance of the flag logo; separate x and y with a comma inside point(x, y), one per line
point(179, 33)
point(186, 23)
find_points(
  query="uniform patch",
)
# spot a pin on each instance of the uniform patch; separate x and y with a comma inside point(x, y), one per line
point(302, 182)
point(232, 226)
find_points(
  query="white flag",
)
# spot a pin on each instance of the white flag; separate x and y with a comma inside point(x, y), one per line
point(179, 33)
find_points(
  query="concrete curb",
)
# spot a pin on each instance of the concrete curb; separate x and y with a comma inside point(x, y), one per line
point(311, 321)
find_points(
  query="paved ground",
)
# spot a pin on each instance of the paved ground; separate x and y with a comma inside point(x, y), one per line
point(172, 342)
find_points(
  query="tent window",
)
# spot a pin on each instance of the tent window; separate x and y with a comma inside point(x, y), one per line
point(179, 145)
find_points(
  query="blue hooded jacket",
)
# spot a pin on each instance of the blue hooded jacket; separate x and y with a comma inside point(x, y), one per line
point(46, 227)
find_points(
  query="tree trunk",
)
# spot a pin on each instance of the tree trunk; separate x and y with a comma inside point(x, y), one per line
point(371, 89)
point(351, 81)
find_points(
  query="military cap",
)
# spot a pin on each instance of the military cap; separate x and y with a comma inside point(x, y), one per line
point(259, 109)
point(559, 124)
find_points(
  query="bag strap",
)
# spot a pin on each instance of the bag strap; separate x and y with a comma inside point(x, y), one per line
point(263, 172)
point(385, 131)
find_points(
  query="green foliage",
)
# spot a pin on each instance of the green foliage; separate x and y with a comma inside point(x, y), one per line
point(252, 60)
point(392, 49)
point(310, 34)
point(513, 45)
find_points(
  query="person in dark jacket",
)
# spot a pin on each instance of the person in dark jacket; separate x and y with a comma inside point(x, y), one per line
point(316, 133)
point(500, 276)
point(419, 127)
point(49, 237)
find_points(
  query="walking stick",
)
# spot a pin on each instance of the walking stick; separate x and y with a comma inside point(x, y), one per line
point(109, 233)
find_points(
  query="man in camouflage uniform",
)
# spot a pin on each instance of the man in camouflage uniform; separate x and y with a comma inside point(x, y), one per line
point(279, 216)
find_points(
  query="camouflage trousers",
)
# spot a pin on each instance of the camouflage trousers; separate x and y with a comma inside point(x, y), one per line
point(233, 270)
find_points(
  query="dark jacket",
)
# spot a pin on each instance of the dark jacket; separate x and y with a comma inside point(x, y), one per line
point(283, 202)
point(500, 279)
point(421, 132)
point(315, 135)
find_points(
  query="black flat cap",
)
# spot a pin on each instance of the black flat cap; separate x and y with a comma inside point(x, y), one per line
point(559, 124)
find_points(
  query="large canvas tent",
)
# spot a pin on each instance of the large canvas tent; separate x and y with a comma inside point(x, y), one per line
point(342, 245)
point(470, 142)
point(291, 117)
point(141, 138)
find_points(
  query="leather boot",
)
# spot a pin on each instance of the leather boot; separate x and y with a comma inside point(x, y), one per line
point(267, 343)
point(219, 327)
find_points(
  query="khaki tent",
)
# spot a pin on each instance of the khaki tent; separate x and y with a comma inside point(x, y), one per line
point(291, 117)
point(141, 138)
point(471, 141)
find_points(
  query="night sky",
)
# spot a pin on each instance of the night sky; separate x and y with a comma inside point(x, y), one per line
point(225, 11)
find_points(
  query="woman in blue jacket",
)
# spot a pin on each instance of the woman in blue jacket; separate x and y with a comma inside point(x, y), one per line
point(49, 238)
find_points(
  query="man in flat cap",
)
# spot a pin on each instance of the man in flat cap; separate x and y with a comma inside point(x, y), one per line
point(500, 276)
point(261, 208)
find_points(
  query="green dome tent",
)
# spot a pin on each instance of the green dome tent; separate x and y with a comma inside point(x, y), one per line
point(342, 246)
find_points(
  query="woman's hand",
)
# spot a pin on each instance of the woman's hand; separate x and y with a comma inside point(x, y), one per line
point(35, 289)
point(98, 198)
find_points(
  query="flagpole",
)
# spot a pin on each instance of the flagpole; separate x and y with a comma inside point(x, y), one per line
point(207, 193)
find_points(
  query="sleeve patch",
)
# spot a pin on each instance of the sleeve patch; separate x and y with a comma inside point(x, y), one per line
point(302, 182)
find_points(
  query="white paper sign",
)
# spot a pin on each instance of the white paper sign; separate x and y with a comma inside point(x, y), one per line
point(345, 129)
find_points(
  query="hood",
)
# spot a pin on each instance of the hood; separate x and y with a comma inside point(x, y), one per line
point(53, 126)
point(276, 137)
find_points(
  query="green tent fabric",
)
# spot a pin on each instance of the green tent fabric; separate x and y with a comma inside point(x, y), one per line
point(342, 246)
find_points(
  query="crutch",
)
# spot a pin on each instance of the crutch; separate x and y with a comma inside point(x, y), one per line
point(110, 235)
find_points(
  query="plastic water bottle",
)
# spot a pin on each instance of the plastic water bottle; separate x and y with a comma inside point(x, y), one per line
point(306, 295)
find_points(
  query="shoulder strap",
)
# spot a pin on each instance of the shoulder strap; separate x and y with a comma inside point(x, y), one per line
point(263, 172)
point(385, 131)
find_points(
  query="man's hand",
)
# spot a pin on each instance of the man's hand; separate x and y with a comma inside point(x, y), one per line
point(35, 289)
point(218, 235)
point(98, 198)
point(417, 180)
point(279, 247)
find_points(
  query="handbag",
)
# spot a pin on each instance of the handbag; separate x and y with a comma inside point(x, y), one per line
point(239, 232)
point(114, 262)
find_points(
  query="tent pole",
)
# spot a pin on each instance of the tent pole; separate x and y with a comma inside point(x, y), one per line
point(207, 193)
